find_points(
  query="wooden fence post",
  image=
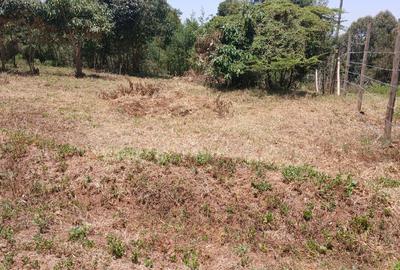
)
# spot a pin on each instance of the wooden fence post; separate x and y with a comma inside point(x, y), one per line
point(364, 67)
point(316, 81)
point(393, 89)
point(338, 77)
point(348, 58)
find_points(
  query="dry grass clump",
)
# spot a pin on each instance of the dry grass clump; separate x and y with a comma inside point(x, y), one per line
point(141, 88)
point(4, 79)
point(143, 98)
point(222, 107)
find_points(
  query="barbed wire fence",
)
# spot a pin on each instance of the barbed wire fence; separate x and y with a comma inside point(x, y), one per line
point(355, 75)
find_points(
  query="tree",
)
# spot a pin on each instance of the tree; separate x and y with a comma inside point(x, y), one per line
point(78, 21)
point(273, 44)
point(25, 25)
point(382, 40)
point(230, 7)
point(20, 21)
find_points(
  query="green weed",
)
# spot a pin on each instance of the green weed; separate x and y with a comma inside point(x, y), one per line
point(314, 247)
point(66, 150)
point(42, 244)
point(261, 186)
point(148, 155)
point(67, 264)
point(308, 212)
point(203, 158)
point(360, 224)
point(268, 218)
point(116, 246)
point(80, 234)
point(386, 182)
point(165, 159)
point(191, 259)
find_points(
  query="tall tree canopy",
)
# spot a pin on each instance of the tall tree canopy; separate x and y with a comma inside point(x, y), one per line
point(382, 41)
point(273, 44)
point(78, 21)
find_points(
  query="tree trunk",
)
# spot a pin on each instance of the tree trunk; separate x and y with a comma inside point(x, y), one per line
point(2, 56)
point(78, 60)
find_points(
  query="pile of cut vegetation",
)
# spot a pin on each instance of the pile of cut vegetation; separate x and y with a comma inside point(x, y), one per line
point(62, 207)
point(143, 98)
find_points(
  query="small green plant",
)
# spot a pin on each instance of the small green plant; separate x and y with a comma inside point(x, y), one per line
point(67, 264)
point(8, 260)
point(42, 244)
point(116, 246)
point(242, 251)
point(203, 158)
point(80, 234)
point(308, 212)
point(7, 234)
point(261, 186)
point(268, 218)
point(360, 224)
point(149, 155)
point(67, 150)
point(302, 173)
point(137, 247)
point(148, 262)
point(42, 220)
point(314, 247)
point(347, 238)
point(191, 259)
point(397, 266)
point(386, 182)
point(350, 186)
point(127, 153)
point(28, 264)
point(169, 158)
point(7, 211)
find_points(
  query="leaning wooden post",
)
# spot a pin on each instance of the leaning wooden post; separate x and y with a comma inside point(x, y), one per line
point(393, 89)
point(348, 58)
point(364, 67)
point(316, 81)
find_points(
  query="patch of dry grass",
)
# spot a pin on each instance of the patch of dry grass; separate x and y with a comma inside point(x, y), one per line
point(225, 187)
point(184, 117)
point(170, 211)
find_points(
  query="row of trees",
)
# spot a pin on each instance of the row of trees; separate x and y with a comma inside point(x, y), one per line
point(124, 36)
point(272, 44)
point(383, 35)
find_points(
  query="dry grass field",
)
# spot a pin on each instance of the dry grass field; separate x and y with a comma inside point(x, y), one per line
point(110, 172)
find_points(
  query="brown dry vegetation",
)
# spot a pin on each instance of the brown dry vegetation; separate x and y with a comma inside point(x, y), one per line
point(225, 188)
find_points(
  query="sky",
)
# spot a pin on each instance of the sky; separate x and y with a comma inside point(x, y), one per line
point(354, 8)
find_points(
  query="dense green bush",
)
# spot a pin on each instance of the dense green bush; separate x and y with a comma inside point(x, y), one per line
point(272, 45)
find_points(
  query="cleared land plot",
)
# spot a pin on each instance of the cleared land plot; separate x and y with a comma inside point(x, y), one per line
point(226, 186)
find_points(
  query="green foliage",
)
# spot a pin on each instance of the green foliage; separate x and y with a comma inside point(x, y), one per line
point(191, 259)
point(230, 7)
point(268, 218)
point(116, 246)
point(383, 36)
point(308, 212)
point(273, 44)
point(360, 224)
point(261, 186)
point(203, 158)
point(386, 182)
point(78, 19)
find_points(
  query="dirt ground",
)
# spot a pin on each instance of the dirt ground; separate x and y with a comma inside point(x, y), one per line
point(177, 175)
point(322, 131)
